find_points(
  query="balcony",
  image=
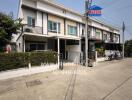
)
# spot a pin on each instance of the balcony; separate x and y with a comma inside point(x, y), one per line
point(32, 29)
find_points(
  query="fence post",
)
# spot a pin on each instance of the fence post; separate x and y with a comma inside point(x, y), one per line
point(29, 63)
point(96, 55)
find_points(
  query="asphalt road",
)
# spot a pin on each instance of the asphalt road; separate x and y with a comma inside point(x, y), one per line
point(106, 81)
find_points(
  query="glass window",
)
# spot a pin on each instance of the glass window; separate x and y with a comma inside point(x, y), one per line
point(33, 47)
point(116, 38)
point(105, 37)
point(37, 46)
point(72, 30)
point(41, 47)
point(30, 21)
point(52, 26)
point(98, 35)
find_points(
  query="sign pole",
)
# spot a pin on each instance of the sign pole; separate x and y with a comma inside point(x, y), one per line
point(123, 40)
point(86, 33)
point(87, 6)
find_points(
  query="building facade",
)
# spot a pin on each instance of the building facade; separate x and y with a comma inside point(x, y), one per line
point(50, 26)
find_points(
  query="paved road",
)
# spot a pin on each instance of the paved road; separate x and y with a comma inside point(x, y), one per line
point(107, 81)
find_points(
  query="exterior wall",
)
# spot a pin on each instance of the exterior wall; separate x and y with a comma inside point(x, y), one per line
point(39, 19)
point(49, 8)
point(103, 27)
point(19, 44)
point(73, 52)
point(72, 23)
point(28, 12)
point(19, 13)
point(64, 14)
point(45, 25)
point(30, 3)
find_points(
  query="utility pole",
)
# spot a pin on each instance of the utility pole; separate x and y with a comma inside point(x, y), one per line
point(123, 40)
point(87, 6)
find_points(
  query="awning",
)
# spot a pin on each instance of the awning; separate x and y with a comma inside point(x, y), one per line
point(53, 36)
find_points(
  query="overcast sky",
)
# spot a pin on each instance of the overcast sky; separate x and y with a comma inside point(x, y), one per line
point(114, 11)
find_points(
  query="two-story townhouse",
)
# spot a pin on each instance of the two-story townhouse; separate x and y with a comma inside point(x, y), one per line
point(101, 35)
point(50, 26)
point(44, 23)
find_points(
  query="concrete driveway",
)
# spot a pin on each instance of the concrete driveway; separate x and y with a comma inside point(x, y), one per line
point(107, 81)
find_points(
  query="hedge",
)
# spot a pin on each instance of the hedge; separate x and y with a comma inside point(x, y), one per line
point(21, 60)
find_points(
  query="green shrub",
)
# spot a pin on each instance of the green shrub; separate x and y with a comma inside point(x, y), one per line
point(21, 60)
point(101, 52)
point(43, 57)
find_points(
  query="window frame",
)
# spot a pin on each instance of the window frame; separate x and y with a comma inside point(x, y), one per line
point(97, 34)
point(72, 30)
point(31, 21)
point(53, 26)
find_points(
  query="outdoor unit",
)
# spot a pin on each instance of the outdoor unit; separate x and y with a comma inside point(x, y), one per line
point(28, 30)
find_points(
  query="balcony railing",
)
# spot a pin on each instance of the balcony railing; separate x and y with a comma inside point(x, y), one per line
point(32, 29)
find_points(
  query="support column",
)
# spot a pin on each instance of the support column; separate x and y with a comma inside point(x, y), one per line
point(65, 49)
point(80, 44)
point(24, 44)
point(80, 47)
point(58, 51)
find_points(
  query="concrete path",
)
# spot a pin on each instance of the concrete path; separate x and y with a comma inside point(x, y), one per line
point(107, 81)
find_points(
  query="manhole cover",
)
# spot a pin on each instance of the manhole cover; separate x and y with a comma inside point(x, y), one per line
point(33, 83)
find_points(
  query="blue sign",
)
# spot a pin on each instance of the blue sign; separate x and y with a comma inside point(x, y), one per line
point(94, 11)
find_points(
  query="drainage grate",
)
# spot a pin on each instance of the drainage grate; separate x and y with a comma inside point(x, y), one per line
point(33, 83)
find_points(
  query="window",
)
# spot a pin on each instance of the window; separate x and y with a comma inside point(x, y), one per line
point(98, 35)
point(72, 30)
point(105, 37)
point(30, 21)
point(37, 46)
point(116, 38)
point(52, 26)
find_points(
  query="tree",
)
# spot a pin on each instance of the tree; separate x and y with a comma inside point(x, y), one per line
point(128, 48)
point(8, 26)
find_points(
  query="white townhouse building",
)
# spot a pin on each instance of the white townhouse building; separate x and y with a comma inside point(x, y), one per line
point(50, 26)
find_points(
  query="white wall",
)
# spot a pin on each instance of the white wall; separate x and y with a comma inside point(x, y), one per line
point(30, 3)
point(57, 11)
point(31, 13)
point(19, 44)
point(45, 26)
point(49, 8)
point(73, 52)
point(39, 19)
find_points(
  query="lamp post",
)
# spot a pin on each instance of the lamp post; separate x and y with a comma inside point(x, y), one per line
point(87, 6)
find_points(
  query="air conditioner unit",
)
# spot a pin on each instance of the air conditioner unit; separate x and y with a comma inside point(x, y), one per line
point(28, 30)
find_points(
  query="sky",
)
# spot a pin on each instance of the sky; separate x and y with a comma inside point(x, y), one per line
point(114, 11)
